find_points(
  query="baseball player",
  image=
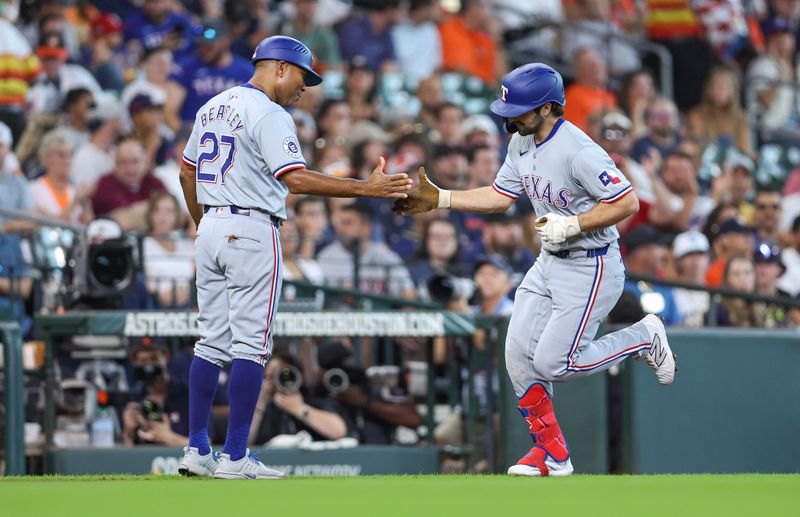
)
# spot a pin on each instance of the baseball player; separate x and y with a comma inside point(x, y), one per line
point(240, 161)
point(579, 195)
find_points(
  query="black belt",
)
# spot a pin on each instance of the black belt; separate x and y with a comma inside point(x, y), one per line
point(237, 210)
point(597, 252)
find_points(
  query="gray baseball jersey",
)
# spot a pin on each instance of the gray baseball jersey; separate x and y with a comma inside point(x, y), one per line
point(241, 144)
point(566, 174)
point(562, 300)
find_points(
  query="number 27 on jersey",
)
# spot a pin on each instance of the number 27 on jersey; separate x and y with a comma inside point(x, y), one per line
point(208, 168)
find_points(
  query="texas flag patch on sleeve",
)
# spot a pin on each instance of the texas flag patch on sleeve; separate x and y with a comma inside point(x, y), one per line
point(608, 179)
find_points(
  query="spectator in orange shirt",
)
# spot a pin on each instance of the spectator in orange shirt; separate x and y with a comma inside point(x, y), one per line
point(733, 239)
point(466, 45)
point(587, 94)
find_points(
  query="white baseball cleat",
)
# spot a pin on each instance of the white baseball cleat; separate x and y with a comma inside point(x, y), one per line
point(249, 467)
point(554, 468)
point(659, 356)
point(193, 464)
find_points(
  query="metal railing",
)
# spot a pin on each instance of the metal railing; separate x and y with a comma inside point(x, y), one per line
point(11, 213)
point(715, 293)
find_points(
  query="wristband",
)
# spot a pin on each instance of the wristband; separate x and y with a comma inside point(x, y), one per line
point(573, 226)
point(444, 198)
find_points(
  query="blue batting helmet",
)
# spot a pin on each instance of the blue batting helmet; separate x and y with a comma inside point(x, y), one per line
point(284, 48)
point(526, 88)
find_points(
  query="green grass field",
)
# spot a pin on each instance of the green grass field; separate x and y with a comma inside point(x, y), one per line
point(407, 496)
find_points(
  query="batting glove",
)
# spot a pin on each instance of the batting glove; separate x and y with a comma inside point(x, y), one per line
point(424, 198)
point(555, 229)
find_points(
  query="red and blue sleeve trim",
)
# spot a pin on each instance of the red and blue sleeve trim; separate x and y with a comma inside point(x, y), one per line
point(280, 171)
point(189, 162)
point(504, 191)
point(619, 195)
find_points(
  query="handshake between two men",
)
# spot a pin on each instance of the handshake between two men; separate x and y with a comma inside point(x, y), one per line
point(552, 228)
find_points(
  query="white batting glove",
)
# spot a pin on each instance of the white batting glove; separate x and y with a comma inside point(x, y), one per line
point(555, 229)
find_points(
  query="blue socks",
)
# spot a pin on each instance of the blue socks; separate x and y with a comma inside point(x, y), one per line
point(244, 386)
point(203, 379)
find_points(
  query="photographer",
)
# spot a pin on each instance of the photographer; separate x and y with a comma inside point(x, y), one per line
point(159, 414)
point(493, 284)
point(284, 406)
point(376, 410)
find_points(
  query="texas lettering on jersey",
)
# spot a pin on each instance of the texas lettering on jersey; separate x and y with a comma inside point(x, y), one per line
point(566, 173)
point(540, 189)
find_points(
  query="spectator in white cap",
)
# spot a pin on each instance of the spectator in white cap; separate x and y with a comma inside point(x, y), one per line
point(156, 64)
point(690, 252)
point(735, 184)
point(481, 130)
point(14, 189)
point(96, 157)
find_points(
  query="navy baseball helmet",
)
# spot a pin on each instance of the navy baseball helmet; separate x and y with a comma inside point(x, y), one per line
point(526, 88)
point(284, 48)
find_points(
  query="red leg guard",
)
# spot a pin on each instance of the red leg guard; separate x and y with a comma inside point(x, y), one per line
point(537, 409)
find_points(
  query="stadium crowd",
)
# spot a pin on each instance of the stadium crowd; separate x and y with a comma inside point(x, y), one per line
point(97, 101)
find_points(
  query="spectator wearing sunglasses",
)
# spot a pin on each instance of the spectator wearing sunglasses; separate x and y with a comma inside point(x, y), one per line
point(766, 215)
point(663, 130)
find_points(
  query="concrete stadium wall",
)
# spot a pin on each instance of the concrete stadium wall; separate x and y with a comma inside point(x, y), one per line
point(734, 407)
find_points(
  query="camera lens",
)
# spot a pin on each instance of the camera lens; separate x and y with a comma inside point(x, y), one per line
point(286, 378)
point(336, 380)
point(442, 288)
point(110, 267)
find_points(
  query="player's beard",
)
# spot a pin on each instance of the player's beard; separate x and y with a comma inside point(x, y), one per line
point(533, 128)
